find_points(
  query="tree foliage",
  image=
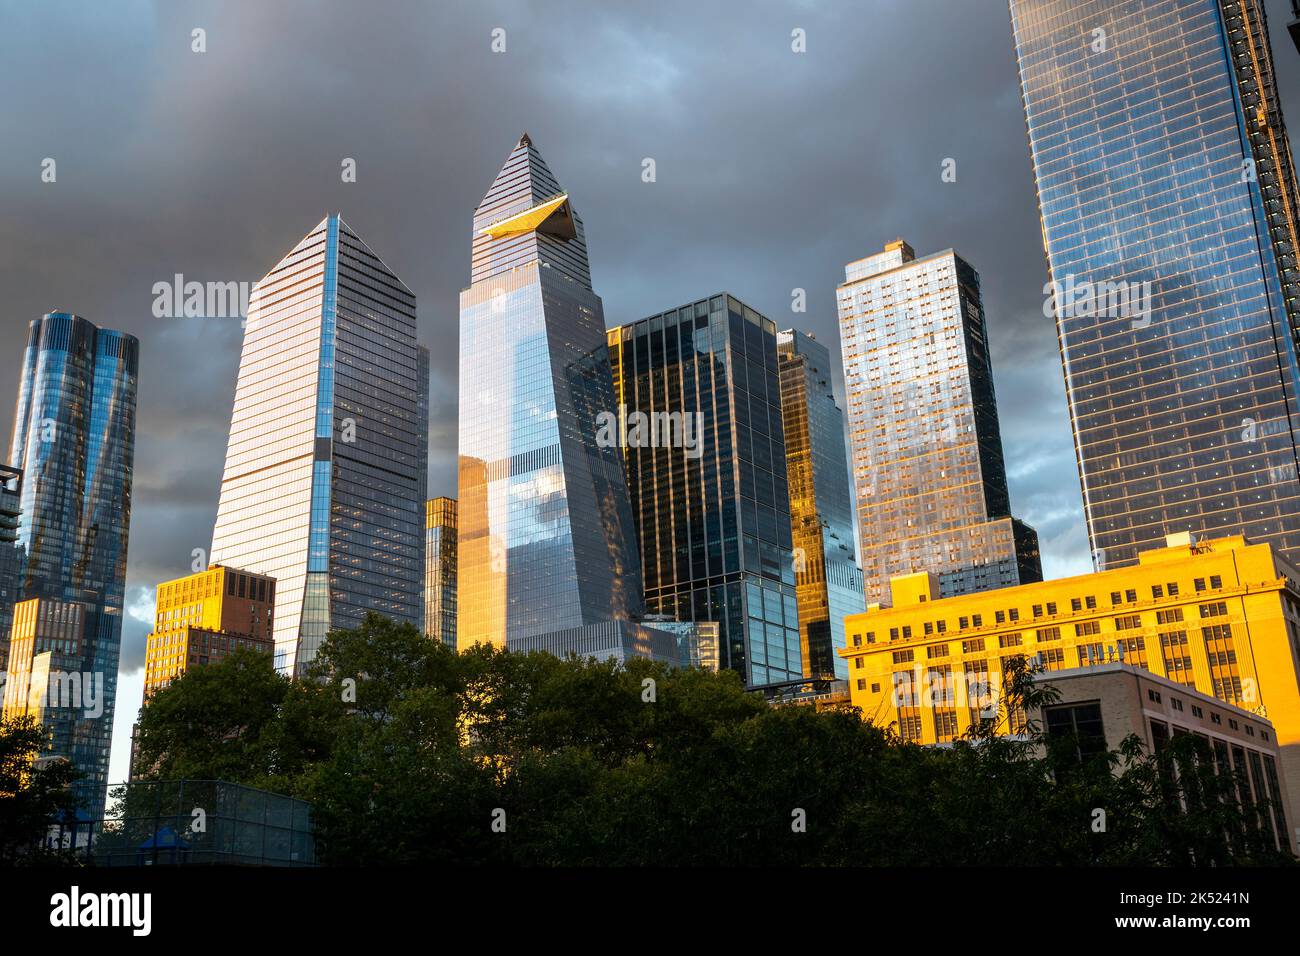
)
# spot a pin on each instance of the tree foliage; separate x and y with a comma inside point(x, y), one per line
point(32, 794)
point(413, 754)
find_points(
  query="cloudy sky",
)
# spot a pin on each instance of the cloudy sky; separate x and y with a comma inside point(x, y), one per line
point(773, 169)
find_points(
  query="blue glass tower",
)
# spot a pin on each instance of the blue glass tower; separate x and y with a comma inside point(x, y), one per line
point(547, 549)
point(74, 440)
point(708, 478)
point(1169, 211)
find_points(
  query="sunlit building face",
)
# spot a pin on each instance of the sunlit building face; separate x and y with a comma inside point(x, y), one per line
point(1169, 211)
point(930, 481)
point(546, 543)
point(324, 484)
point(828, 582)
point(440, 570)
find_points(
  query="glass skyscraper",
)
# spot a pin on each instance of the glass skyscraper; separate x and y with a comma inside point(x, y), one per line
point(930, 482)
point(11, 491)
point(323, 487)
point(712, 507)
point(74, 442)
point(547, 555)
point(828, 581)
point(440, 570)
point(1169, 211)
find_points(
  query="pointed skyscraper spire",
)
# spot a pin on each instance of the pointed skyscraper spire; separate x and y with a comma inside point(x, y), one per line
point(526, 216)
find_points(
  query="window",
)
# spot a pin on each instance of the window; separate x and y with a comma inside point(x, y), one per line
point(1009, 640)
point(1130, 596)
point(907, 631)
point(1087, 628)
point(943, 627)
point(971, 646)
point(1048, 634)
point(1197, 712)
point(857, 663)
point(1153, 695)
point(1157, 591)
point(1169, 616)
point(1051, 608)
point(936, 650)
point(1038, 610)
point(977, 620)
point(1215, 609)
point(1172, 588)
point(1216, 582)
point(875, 688)
point(1175, 703)
point(1082, 722)
point(1129, 622)
point(862, 683)
point(1052, 658)
point(1199, 584)
point(893, 633)
point(903, 657)
point(1076, 604)
point(1115, 597)
point(963, 623)
point(1014, 614)
point(929, 627)
point(1090, 602)
point(857, 640)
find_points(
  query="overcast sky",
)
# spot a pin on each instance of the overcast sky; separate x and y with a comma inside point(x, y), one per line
point(773, 169)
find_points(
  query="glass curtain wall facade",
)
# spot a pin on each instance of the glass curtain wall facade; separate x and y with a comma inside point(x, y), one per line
point(1164, 172)
point(930, 481)
point(323, 487)
point(713, 520)
point(546, 544)
point(74, 441)
point(828, 581)
point(11, 491)
point(440, 570)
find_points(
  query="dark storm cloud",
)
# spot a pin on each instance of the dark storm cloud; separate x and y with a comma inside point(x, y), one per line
point(773, 170)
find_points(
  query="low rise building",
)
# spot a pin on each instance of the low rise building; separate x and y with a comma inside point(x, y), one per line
point(1220, 618)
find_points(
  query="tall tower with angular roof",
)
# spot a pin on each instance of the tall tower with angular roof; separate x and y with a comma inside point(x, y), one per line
point(547, 553)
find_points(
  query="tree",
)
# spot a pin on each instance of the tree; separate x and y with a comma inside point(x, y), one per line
point(412, 754)
point(32, 794)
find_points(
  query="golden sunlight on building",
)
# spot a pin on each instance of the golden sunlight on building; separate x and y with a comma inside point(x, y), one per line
point(1217, 620)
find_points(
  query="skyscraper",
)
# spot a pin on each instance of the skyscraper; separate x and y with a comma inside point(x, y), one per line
point(323, 487)
point(828, 581)
point(547, 555)
point(440, 570)
point(1169, 212)
point(699, 403)
point(11, 491)
point(930, 483)
point(74, 442)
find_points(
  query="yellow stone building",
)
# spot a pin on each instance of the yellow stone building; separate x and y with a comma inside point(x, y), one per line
point(1219, 616)
point(202, 617)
